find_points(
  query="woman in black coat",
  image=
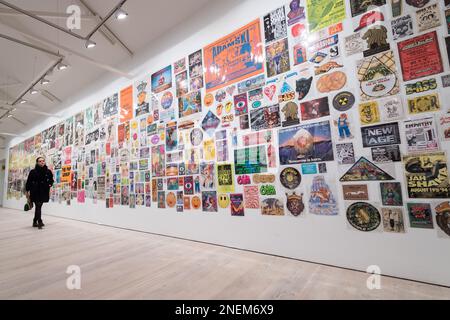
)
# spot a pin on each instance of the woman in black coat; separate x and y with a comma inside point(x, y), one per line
point(39, 182)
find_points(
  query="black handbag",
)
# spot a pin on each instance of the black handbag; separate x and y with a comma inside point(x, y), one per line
point(28, 206)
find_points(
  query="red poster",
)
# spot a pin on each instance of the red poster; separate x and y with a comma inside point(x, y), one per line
point(126, 104)
point(121, 133)
point(420, 56)
point(235, 57)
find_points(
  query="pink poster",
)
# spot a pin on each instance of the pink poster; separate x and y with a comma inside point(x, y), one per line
point(81, 196)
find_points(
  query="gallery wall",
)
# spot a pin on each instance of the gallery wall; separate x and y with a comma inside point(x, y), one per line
point(311, 194)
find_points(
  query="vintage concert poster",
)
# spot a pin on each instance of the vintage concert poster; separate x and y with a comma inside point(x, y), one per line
point(427, 175)
point(420, 56)
point(234, 57)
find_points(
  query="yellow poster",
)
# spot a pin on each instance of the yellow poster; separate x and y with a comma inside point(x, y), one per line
point(225, 178)
point(324, 13)
point(369, 113)
point(427, 175)
point(426, 103)
point(65, 174)
point(209, 150)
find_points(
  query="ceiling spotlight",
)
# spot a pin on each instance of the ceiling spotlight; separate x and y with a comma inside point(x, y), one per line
point(62, 66)
point(13, 109)
point(10, 115)
point(121, 14)
point(33, 91)
point(45, 81)
point(90, 44)
point(23, 101)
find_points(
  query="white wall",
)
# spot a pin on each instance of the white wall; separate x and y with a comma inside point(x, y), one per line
point(417, 254)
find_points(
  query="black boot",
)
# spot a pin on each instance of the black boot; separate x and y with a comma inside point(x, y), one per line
point(40, 224)
point(35, 224)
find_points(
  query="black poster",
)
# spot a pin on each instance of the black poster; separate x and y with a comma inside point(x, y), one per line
point(275, 26)
point(386, 154)
point(380, 135)
point(447, 43)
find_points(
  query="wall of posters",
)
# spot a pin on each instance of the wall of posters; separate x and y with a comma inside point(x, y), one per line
point(293, 116)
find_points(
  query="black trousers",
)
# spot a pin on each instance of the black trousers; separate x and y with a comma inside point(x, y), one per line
point(37, 212)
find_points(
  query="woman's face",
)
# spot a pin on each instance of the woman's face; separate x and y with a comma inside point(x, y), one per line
point(41, 162)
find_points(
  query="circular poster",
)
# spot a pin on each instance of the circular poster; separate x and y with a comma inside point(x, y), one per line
point(209, 100)
point(290, 178)
point(196, 137)
point(167, 100)
point(343, 101)
point(443, 216)
point(363, 216)
point(171, 199)
point(196, 202)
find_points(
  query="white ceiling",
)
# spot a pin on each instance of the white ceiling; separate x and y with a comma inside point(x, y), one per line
point(20, 65)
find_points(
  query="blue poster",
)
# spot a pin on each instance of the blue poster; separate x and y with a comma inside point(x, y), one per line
point(162, 80)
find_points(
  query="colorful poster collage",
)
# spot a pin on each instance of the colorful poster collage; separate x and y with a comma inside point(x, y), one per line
point(299, 112)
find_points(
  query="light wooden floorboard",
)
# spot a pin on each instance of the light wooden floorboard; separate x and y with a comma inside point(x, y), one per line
point(123, 264)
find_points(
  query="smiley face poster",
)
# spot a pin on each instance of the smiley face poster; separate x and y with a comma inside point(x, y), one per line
point(234, 57)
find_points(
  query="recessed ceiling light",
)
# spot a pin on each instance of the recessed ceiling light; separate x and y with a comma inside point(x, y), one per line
point(121, 14)
point(45, 81)
point(10, 115)
point(34, 91)
point(23, 101)
point(90, 44)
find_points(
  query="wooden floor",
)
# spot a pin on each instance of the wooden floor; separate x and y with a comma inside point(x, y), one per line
point(122, 264)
